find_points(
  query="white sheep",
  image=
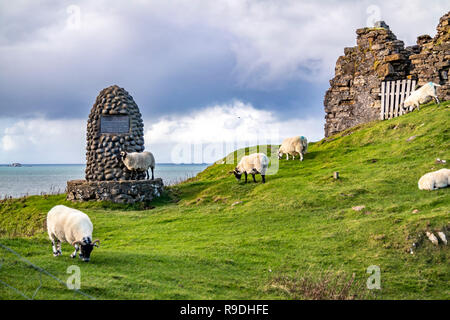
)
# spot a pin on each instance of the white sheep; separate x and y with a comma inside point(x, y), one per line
point(72, 226)
point(293, 146)
point(135, 161)
point(255, 163)
point(420, 96)
point(435, 180)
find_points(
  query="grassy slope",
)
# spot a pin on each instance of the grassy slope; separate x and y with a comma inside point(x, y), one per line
point(203, 247)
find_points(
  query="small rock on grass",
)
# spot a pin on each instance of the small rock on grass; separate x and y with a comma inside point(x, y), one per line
point(432, 238)
point(442, 236)
point(358, 208)
point(415, 211)
point(411, 138)
point(235, 203)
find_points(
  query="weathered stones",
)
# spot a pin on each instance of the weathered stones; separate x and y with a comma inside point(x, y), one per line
point(354, 90)
point(115, 191)
point(123, 129)
point(432, 63)
point(107, 178)
point(354, 93)
point(381, 24)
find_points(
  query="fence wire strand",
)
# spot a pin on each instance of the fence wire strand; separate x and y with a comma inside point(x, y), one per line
point(41, 271)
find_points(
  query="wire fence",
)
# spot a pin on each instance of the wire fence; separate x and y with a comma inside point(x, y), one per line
point(41, 272)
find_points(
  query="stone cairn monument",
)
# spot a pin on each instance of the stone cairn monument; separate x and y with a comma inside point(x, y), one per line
point(114, 125)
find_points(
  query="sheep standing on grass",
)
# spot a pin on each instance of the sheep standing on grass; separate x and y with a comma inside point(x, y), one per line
point(293, 146)
point(255, 163)
point(420, 96)
point(72, 226)
point(435, 180)
point(139, 161)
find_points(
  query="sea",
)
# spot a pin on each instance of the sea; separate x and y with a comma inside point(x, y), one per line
point(38, 179)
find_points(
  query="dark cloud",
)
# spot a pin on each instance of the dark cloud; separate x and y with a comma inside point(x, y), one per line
point(173, 57)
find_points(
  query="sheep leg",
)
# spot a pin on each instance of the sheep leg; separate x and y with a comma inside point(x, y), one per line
point(55, 251)
point(437, 100)
point(74, 254)
point(153, 176)
point(56, 246)
point(263, 178)
point(287, 156)
point(301, 156)
point(245, 177)
point(147, 176)
point(253, 175)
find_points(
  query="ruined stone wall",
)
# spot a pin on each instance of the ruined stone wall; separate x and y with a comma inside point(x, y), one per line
point(353, 97)
point(103, 149)
point(433, 61)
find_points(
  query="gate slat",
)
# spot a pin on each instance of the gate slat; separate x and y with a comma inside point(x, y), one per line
point(408, 88)
point(392, 100)
point(402, 95)
point(383, 84)
point(388, 90)
point(397, 98)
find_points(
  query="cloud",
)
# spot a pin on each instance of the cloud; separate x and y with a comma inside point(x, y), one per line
point(175, 56)
point(210, 133)
point(43, 141)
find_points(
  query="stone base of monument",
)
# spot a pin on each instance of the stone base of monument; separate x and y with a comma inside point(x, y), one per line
point(126, 191)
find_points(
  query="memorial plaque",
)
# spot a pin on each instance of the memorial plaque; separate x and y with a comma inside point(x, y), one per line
point(114, 124)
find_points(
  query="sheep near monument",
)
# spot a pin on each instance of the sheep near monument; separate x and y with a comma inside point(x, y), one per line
point(115, 125)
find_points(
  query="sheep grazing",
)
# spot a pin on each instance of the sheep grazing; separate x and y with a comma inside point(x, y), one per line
point(72, 226)
point(139, 161)
point(255, 163)
point(420, 96)
point(435, 180)
point(293, 146)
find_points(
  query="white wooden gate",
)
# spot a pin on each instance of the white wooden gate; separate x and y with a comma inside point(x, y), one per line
point(393, 93)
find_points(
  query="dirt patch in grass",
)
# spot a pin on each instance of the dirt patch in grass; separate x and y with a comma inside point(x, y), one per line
point(326, 285)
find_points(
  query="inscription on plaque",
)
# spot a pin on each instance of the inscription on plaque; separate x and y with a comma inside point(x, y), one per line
point(114, 124)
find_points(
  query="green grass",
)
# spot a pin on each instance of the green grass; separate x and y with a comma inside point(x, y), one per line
point(195, 244)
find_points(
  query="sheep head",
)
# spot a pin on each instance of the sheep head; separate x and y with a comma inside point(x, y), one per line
point(237, 174)
point(86, 247)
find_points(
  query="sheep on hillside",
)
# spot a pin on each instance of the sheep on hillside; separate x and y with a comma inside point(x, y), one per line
point(435, 180)
point(255, 163)
point(139, 161)
point(420, 96)
point(72, 226)
point(293, 146)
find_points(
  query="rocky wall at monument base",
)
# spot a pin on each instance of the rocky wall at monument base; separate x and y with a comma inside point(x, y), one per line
point(130, 191)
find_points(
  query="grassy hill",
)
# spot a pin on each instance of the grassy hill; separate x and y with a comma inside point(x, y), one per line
point(294, 237)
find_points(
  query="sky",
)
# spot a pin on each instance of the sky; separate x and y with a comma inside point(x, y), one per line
point(220, 74)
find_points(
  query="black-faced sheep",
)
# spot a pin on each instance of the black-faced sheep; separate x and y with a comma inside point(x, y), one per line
point(256, 163)
point(72, 226)
point(139, 161)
